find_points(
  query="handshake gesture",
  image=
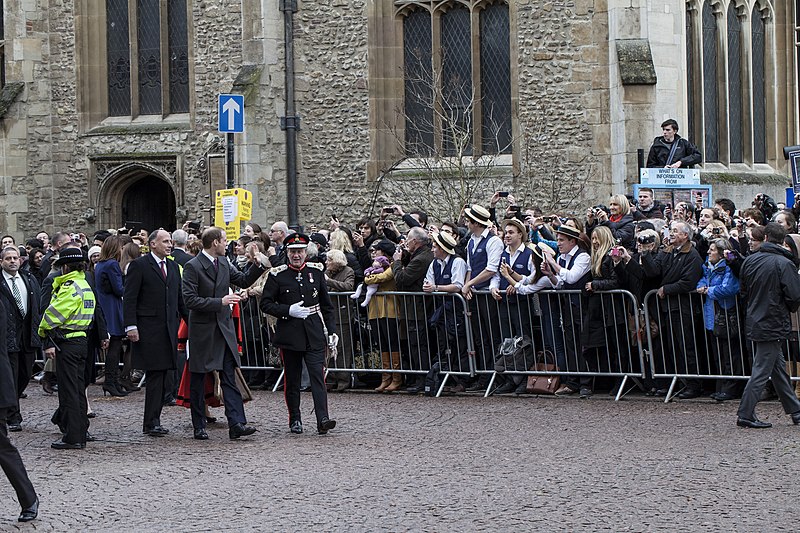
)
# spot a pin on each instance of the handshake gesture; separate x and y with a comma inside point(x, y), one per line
point(299, 311)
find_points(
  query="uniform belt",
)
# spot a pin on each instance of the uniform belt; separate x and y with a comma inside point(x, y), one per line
point(314, 308)
point(74, 334)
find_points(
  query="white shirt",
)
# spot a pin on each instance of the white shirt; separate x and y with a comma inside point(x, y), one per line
point(158, 261)
point(495, 283)
point(494, 249)
point(210, 257)
point(579, 269)
point(23, 290)
point(528, 286)
point(458, 272)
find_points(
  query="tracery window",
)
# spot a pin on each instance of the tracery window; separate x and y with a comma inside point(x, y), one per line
point(148, 75)
point(457, 77)
point(725, 41)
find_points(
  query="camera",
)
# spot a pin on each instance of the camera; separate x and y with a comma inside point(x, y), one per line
point(547, 220)
point(716, 231)
point(646, 239)
point(388, 210)
point(195, 225)
point(502, 194)
point(614, 252)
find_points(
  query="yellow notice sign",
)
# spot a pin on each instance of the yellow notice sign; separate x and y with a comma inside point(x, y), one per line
point(231, 207)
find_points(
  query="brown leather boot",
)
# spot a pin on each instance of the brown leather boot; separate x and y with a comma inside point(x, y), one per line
point(386, 379)
point(397, 378)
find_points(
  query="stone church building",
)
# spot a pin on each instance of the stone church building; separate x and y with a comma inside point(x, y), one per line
point(108, 108)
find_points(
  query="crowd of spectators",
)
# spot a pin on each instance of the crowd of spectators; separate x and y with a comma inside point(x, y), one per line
point(495, 260)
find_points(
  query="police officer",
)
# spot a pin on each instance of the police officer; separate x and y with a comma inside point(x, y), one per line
point(297, 295)
point(64, 326)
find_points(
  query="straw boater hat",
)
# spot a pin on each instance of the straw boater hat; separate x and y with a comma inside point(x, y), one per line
point(478, 214)
point(296, 241)
point(517, 224)
point(536, 251)
point(445, 242)
point(569, 231)
point(546, 249)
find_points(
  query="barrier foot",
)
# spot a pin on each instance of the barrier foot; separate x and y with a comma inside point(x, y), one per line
point(278, 382)
point(620, 392)
point(489, 386)
point(671, 388)
point(141, 381)
point(441, 387)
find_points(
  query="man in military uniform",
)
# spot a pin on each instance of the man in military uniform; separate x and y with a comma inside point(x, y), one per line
point(296, 294)
point(64, 325)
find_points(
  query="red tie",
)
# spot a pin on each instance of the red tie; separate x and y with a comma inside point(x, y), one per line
point(164, 269)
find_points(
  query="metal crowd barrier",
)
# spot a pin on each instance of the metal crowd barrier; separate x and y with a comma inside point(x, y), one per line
point(416, 332)
point(681, 348)
point(603, 343)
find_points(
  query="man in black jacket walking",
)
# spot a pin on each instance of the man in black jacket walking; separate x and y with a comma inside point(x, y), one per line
point(771, 285)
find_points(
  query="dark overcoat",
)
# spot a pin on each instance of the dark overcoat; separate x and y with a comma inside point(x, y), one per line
point(210, 323)
point(154, 306)
point(8, 394)
point(22, 333)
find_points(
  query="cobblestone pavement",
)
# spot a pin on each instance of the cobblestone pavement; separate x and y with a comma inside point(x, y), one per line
point(402, 463)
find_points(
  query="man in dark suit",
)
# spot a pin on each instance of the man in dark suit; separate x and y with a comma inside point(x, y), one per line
point(297, 294)
point(152, 308)
point(212, 339)
point(19, 293)
point(10, 461)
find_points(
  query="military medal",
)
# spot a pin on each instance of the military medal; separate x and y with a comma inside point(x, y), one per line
point(310, 277)
point(316, 293)
point(299, 277)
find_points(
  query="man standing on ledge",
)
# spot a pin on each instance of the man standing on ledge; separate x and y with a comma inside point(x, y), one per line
point(771, 288)
point(296, 293)
point(672, 150)
point(212, 339)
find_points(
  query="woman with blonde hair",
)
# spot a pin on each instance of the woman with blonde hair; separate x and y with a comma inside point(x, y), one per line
point(339, 239)
point(604, 332)
point(619, 220)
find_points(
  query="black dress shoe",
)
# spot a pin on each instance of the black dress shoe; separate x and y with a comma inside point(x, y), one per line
point(296, 427)
point(325, 425)
point(689, 394)
point(91, 415)
point(240, 430)
point(29, 513)
point(169, 403)
point(723, 397)
point(15, 427)
point(155, 431)
point(586, 393)
point(755, 424)
point(200, 434)
point(61, 445)
point(796, 418)
point(90, 437)
point(506, 388)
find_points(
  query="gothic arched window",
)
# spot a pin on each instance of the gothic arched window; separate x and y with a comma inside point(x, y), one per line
point(735, 114)
point(759, 88)
point(710, 96)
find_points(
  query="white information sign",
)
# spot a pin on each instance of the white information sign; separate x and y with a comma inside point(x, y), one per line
point(669, 176)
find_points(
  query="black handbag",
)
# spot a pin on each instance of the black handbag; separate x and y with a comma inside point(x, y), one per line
point(726, 323)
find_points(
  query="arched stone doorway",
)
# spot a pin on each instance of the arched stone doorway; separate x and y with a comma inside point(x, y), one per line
point(149, 203)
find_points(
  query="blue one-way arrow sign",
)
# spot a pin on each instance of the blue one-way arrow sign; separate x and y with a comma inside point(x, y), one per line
point(231, 113)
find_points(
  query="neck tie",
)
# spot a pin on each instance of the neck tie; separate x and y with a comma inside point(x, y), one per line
point(164, 269)
point(17, 295)
point(216, 264)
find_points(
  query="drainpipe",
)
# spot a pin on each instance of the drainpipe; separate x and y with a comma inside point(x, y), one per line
point(290, 123)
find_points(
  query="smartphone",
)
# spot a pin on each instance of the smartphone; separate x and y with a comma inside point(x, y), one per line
point(547, 220)
point(502, 194)
point(388, 210)
point(195, 225)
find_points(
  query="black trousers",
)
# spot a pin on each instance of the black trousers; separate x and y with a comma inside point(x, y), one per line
point(21, 367)
point(71, 413)
point(234, 406)
point(293, 369)
point(485, 330)
point(173, 379)
point(12, 465)
point(153, 398)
